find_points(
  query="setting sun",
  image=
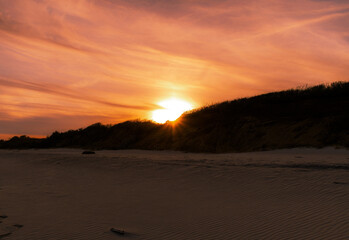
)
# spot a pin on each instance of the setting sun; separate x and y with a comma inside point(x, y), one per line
point(172, 109)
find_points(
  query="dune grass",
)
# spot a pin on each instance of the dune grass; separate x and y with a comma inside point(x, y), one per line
point(304, 117)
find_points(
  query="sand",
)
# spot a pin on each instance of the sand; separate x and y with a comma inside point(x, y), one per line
point(283, 194)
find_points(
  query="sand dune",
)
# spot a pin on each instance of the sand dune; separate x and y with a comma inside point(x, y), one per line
point(284, 194)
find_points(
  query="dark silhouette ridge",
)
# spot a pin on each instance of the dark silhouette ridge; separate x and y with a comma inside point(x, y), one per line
point(308, 117)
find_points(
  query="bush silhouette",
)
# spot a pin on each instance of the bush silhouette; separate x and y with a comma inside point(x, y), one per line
point(305, 117)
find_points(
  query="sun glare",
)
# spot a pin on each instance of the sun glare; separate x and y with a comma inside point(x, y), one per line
point(172, 109)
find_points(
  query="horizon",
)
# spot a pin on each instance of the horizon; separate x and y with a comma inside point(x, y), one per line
point(175, 120)
point(67, 65)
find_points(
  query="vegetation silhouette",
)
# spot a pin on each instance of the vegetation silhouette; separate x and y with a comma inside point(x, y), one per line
point(304, 117)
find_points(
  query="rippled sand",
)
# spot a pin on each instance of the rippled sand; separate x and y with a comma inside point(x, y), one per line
point(284, 194)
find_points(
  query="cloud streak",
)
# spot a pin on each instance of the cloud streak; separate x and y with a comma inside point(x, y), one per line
point(64, 92)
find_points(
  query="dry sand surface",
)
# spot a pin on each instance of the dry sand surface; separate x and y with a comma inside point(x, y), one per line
point(283, 194)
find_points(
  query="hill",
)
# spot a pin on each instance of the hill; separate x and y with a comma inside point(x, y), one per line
point(311, 117)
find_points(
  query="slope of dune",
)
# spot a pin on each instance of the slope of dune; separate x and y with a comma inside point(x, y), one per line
point(310, 117)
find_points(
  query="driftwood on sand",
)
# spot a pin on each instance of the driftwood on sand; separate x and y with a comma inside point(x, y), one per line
point(117, 231)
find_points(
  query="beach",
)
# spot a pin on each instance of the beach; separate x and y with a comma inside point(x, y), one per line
point(282, 194)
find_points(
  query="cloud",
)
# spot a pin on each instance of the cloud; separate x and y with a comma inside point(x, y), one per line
point(61, 91)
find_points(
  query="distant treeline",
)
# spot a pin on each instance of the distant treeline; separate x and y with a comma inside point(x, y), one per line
point(308, 117)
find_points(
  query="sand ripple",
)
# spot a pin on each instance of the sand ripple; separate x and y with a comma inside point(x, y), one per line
point(60, 194)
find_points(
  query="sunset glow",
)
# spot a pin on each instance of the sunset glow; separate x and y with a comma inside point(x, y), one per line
point(68, 64)
point(172, 109)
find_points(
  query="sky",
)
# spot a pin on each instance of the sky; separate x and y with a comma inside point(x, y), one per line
point(71, 63)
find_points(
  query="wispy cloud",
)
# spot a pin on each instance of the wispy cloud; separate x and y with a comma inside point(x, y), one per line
point(65, 92)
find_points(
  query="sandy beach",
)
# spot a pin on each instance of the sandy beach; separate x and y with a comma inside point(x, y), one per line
point(282, 194)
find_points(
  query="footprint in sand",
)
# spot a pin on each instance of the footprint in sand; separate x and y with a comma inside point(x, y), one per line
point(4, 231)
point(7, 228)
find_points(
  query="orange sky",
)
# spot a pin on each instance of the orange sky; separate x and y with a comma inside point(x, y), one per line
point(67, 64)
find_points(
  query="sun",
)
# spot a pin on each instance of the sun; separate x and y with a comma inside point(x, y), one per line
point(172, 109)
